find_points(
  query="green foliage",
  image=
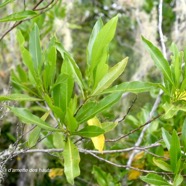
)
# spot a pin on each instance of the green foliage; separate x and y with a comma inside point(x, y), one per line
point(154, 179)
point(69, 97)
point(71, 161)
point(70, 105)
point(19, 16)
point(103, 178)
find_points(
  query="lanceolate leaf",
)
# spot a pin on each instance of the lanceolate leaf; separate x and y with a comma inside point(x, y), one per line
point(154, 179)
point(133, 87)
point(18, 97)
point(102, 41)
point(159, 60)
point(26, 14)
point(111, 76)
point(176, 64)
point(162, 165)
point(28, 118)
point(71, 161)
point(178, 179)
point(70, 121)
point(49, 71)
point(35, 48)
point(95, 31)
point(166, 138)
point(89, 131)
point(70, 67)
point(62, 91)
point(175, 152)
point(90, 109)
point(35, 133)
point(27, 59)
point(34, 136)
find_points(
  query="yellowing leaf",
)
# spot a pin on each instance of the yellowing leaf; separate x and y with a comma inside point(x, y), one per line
point(98, 141)
point(55, 172)
point(134, 174)
point(138, 156)
point(137, 163)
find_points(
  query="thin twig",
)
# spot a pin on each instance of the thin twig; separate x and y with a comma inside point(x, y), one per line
point(19, 22)
point(85, 151)
point(133, 131)
point(128, 111)
point(127, 166)
point(158, 99)
point(160, 28)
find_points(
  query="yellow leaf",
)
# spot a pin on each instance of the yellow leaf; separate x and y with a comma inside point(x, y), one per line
point(55, 172)
point(133, 175)
point(98, 141)
point(138, 156)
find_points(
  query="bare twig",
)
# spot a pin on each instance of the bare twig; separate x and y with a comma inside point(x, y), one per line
point(157, 101)
point(6, 154)
point(160, 28)
point(132, 131)
point(19, 22)
point(128, 111)
point(127, 166)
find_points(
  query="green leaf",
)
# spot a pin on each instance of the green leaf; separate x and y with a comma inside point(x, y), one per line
point(71, 161)
point(35, 48)
point(100, 176)
point(5, 3)
point(70, 67)
point(55, 109)
point(28, 118)
point(99, 73)
point(89, 131)
point(108, 126)
point(62, 91)
point(111, 76)
point(154, 179)
point(18, 16)
point(178, 179)
point(49, 71)
point(166, 138)
point(133, 87)
point(176, 64)
point(175, 152)
point(90, 109)
point(20, 38)
point(34, 136)
point(27, 59)
point(99, 54)
point(70, 121)
point(95, 31)
point(35, 133)
point(183, 134)
point(102, 41)
point(170, 110)
point(18, 97)
point(159, 60)
point(162, 164)
point(58, 140)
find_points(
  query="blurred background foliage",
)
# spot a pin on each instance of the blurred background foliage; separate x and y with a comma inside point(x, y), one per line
point(72, 21)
